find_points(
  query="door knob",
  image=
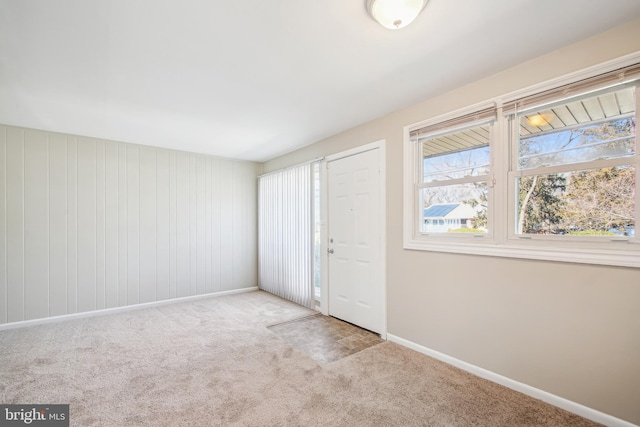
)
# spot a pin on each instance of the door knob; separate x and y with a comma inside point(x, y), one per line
point(330, 251)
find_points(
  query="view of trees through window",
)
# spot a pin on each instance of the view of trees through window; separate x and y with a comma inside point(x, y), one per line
point(455, 170)
point(573, 170)
point(590, 202)
point(581, 201)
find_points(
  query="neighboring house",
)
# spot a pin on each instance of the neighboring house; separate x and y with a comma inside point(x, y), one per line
point(444, 217)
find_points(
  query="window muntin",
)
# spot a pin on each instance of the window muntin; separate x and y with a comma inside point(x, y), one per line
point(575, 166)
point(454, 187)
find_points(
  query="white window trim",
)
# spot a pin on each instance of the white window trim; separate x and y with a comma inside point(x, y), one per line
point(501, 243)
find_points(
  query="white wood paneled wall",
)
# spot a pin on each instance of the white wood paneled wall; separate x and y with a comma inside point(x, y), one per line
point(88, 224)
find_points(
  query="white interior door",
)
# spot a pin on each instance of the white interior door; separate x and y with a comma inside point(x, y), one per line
point(356, 282)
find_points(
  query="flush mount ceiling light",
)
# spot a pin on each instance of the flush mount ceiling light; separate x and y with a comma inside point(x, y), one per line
point(540, 119)
point(395, 14)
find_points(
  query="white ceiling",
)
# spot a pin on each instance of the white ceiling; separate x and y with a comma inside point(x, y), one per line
point(253, 79)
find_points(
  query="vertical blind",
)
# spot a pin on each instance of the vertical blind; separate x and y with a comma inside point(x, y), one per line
point(285, 245)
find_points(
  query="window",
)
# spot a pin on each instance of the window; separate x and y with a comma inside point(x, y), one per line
point(454, 175)
point(574, 171)
point(550, 175)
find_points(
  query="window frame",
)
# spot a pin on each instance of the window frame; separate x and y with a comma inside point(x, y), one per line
point(502, 240)
point(515, 172)
point(421, 185)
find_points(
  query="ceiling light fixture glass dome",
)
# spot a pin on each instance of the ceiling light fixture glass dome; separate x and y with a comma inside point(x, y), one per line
point(395, 14)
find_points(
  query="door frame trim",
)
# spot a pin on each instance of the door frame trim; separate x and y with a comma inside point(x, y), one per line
point(324, 216)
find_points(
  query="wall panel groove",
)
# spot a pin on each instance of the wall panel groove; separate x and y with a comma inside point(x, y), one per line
point(100, 225)
point(58, 234)
point(87, 224)
point(48, 201)
point(3, 224)
point(14, 219)
point(72, 225)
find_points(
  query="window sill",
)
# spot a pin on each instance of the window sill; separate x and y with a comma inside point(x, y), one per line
point(549, 252)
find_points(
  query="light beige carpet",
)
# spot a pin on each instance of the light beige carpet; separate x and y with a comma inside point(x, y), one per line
point(214, 362)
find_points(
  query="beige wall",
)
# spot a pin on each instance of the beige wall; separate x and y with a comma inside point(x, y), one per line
point(571, 330)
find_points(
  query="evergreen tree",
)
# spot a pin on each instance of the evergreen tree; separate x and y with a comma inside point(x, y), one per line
point(480, 203)
point(540, 203)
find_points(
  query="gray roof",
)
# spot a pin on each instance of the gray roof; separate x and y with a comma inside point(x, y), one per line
point(436, 211)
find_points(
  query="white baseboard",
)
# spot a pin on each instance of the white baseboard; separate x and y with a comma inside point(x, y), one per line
point(560, 402)
point(105, 311)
